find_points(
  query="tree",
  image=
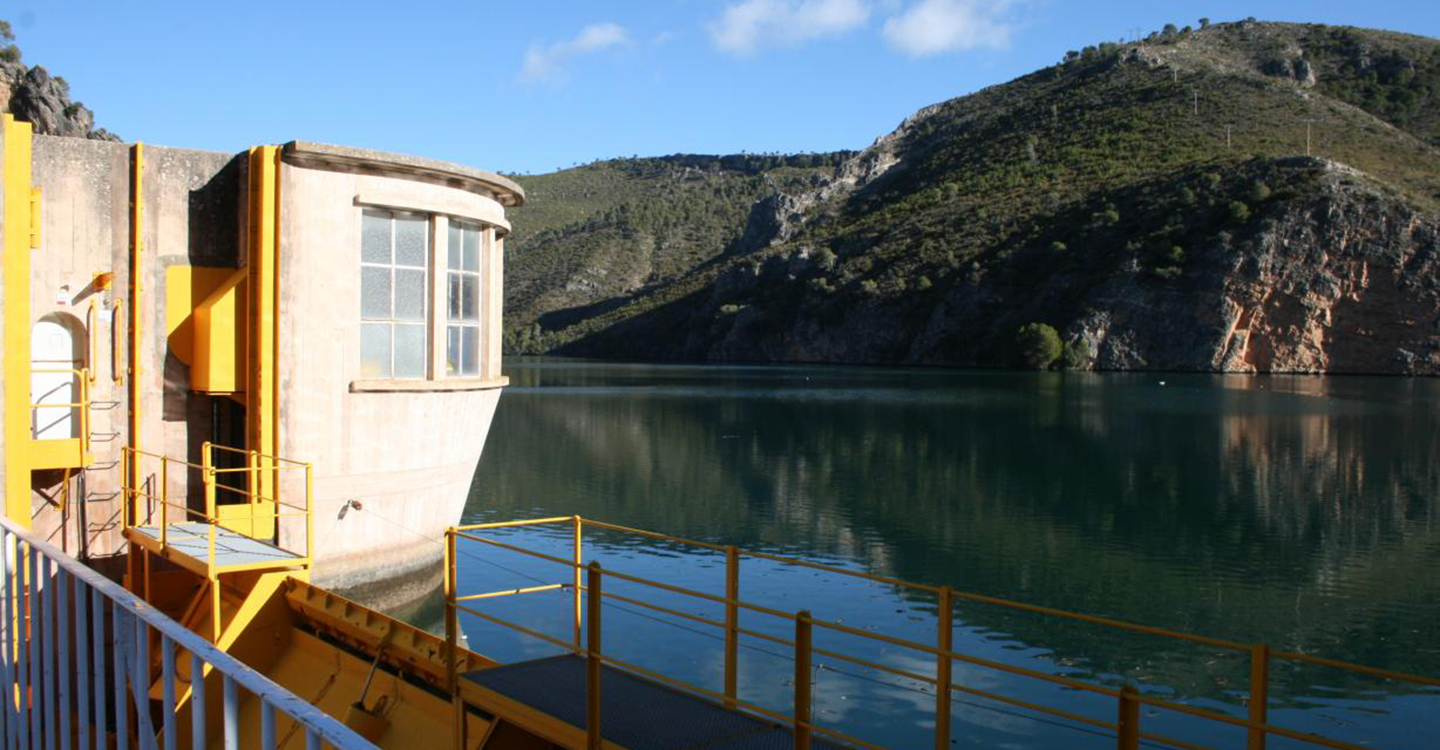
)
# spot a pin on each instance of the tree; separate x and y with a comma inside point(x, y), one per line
point(1077, 353)
point(1039, 345)
point(1204, 23)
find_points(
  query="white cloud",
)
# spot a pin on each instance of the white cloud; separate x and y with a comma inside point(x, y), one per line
point(746, 27)
point(547, 63)
point(931, 27)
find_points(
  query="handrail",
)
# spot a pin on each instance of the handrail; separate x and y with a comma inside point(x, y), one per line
point(82, 378)
point(211, 488)
point(1126, 729)
point(36, 576)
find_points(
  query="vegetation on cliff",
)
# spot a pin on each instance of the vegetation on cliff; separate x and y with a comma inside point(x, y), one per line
point(1199, 200)
point(33, 95)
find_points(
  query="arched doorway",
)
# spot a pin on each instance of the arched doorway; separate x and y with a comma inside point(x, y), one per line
point(57, 346)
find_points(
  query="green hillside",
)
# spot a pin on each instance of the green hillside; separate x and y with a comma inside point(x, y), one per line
point(1150, 202)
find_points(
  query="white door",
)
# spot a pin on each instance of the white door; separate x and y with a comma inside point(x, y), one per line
point(52, 347)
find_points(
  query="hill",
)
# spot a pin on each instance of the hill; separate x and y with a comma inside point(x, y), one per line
point(1245, 197)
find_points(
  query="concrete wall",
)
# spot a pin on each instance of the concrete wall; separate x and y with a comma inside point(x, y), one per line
point(190, 217)
point(406, 450)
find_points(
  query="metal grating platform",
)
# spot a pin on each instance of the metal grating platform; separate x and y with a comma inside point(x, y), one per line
point(635, 713)
point(231, 548)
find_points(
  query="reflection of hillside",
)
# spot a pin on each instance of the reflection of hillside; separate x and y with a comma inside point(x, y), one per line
point(1305, 520)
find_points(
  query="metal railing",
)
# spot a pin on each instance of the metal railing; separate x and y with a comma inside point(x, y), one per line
point(1126, 726)
point(80, 407)
point(55, 613)
point(151, 504)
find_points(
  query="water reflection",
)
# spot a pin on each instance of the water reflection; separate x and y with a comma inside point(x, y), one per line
point(1295, 511)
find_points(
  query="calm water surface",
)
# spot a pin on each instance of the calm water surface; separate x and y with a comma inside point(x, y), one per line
point(1295, 511)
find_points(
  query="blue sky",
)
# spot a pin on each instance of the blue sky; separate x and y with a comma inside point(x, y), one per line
point(535, 85)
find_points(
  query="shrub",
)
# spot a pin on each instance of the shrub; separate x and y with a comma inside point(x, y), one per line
point(825, 259)
point(923, 283)
point(869, 287)
point(1058, 246)
point(1259, 192)
point(10, 53)
point(1169, 273)
point(1187, 197)
point(1239, 212)
point(1076, 354)
point(1211, 179)
point(1039, 345)
point(730, 309)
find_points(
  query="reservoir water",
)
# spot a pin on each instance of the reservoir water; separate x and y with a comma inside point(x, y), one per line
point(1300, 512)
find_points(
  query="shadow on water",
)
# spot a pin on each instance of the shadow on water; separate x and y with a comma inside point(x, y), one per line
point(1295, 511)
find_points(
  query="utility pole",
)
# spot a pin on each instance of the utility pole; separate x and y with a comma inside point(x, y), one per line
point(1307, 136)
point(1195, 95)
point(1228, 126)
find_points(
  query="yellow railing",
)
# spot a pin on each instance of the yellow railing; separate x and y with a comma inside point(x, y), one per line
point(151, 502)
point(81, 407)
point(1126, 726)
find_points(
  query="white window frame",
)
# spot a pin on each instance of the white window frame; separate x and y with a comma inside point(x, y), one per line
point(392, 322)
point(477, 324)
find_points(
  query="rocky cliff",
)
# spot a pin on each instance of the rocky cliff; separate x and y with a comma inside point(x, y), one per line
point(35, 96)
point(1245, 197)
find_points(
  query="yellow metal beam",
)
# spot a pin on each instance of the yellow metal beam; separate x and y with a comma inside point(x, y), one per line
point(137, 247)
point(262, 402)
point(18, 232)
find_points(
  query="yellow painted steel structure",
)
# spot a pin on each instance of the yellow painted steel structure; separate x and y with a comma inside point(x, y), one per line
point(17, 245)
point(65, 453)
point(137, 273)
point(149, 504)
point(1126, 728)
point(262, 408)
point(219, 338)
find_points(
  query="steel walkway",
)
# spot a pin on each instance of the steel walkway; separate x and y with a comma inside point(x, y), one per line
point(635, 713)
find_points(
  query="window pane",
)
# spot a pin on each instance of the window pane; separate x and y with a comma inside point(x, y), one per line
point(452, 349)
point(469, 293)
point(410, 241)
point(472, 249)
point(409, 351)
point(375, 237)
point(374, 293)
point(470, 351)
point(454, 254)
point(409, 294)
point(375, 350)
point(453, 296)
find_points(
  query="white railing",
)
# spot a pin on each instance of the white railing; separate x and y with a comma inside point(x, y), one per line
point(57, 654)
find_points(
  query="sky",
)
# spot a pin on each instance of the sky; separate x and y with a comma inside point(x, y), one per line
point(531, 86)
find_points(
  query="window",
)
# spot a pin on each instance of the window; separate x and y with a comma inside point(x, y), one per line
point(462, 334)
point(394, 264)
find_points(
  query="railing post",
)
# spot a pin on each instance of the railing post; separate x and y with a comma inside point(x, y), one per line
point(592, 659)
point(1128, 733)
point(1259, 695)
point(732, 623)
point(309, 513)
point(452, 644)
point(802, 680)
point(164, 504)
point(252, 461)
point(207, 469)
point(579, 559)
point(945, 642)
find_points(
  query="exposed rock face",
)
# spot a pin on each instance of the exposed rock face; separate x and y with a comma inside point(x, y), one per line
point(1344, 283)
point(33, 95)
